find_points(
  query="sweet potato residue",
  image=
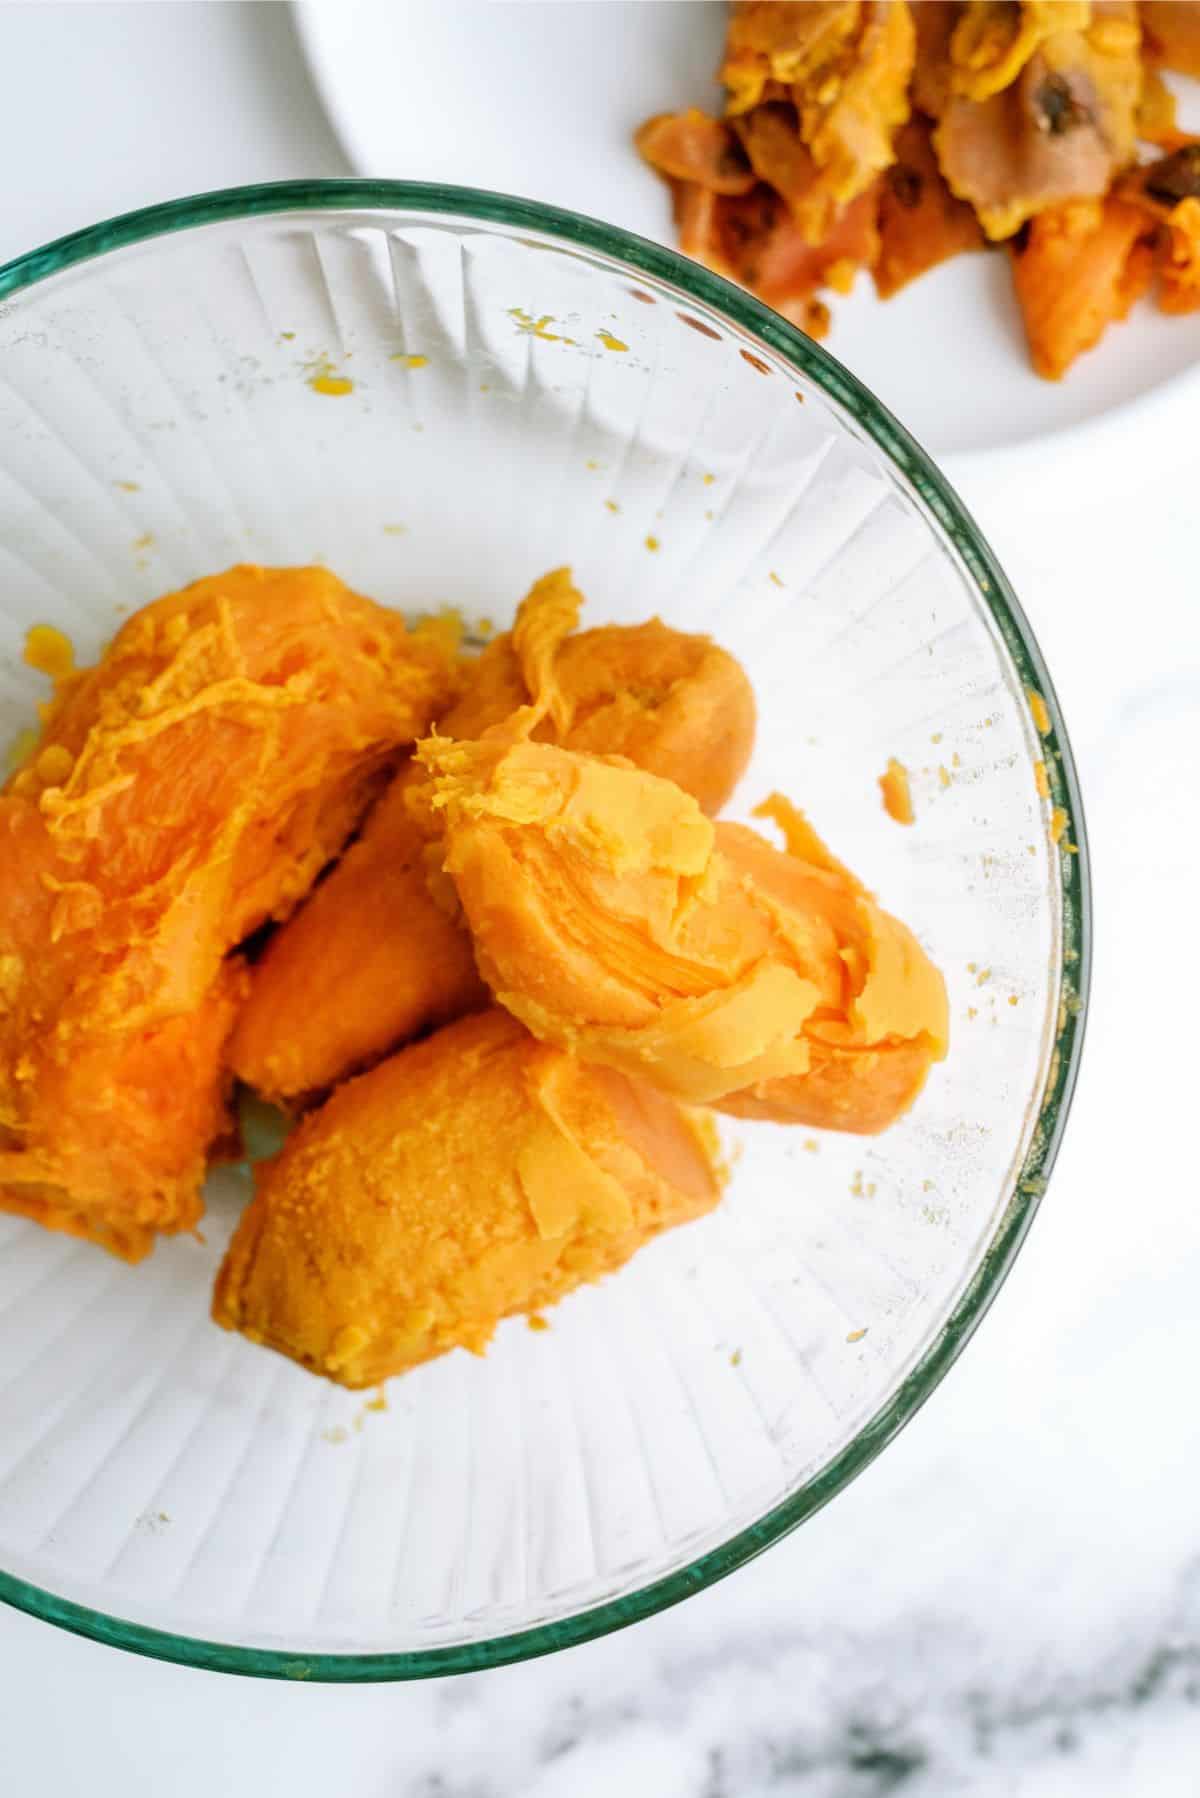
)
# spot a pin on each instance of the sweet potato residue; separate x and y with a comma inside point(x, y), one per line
point(897, 792)
point(891, 136)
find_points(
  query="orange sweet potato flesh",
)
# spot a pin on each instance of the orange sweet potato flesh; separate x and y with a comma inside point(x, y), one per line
point(848, 1085)
point(676, 704)
point(1172, 32)
point(615, 920)
point(184, 791)
point(474, 1175)
point(771, 44)
point(368, 961)
point(1081, 268)
point(375, 958)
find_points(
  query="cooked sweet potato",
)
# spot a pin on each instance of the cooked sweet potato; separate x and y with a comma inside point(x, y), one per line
point(849, 124)
point(1172, 29)
point(474, 1175)
point(756, 241)
point(992, 40)
point(868, 1063)
point(617, 921)
point(1060, 131)
point(772, 45)
point(920, 221)
point(676, 704)
point(1157, 121)
point(694, 209)
point(693, 146)
point(1079, 269)
point(780, 158)
point(1024, 108)
point(376, 957)
point(845, 69)
point(368, 961)
point(184, 791)
point(1167, 193)
point(933, 71)
point(1179, 285)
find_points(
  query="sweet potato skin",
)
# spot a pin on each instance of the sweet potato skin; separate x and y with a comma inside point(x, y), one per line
point(1053, 123)
point(921, 224)
point(183, 792)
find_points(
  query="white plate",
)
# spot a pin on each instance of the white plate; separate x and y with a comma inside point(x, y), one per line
point(541, 100)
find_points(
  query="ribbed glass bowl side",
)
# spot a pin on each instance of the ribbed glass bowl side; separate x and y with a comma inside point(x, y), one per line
point(442, 394)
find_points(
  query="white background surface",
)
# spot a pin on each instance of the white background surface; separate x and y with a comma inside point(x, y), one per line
point(1008, 1602)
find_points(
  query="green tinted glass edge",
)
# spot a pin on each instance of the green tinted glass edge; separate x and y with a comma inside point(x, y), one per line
point(739, 308)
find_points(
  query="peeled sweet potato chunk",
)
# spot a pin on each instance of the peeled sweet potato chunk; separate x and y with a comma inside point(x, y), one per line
point(184, 791)
point(617, 921)
point(474, 1175)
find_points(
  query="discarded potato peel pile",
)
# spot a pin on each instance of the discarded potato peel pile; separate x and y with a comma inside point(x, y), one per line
point(508, 955)
point(893, 134)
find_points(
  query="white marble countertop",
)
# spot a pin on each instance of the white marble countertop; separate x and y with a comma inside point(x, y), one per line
point(1008, 1601)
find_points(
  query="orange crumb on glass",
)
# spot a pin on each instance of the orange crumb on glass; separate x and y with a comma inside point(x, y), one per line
point(333, 385)
point(49, 651)
point(897, 793)
point(1039, 712)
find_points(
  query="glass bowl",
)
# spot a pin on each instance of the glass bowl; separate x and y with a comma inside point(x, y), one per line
point(443, 393)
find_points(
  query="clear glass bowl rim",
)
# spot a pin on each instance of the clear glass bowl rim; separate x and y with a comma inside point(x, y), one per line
point(723, 301)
